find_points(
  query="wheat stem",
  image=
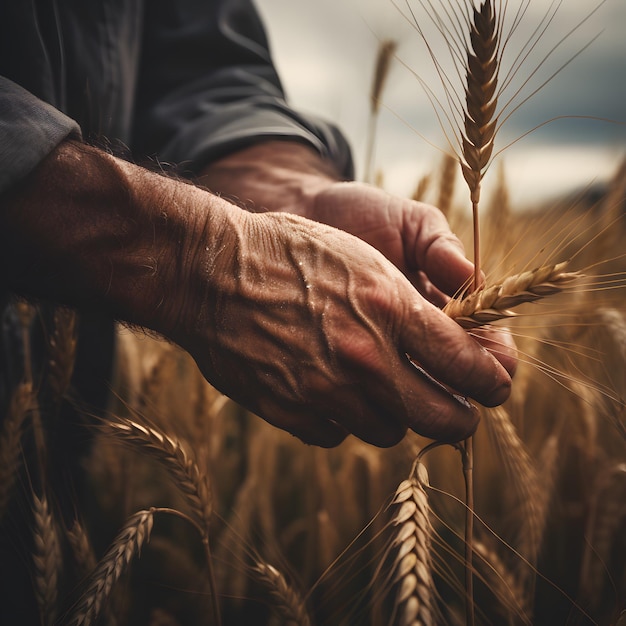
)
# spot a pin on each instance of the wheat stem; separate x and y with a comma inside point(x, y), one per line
point(468, 474)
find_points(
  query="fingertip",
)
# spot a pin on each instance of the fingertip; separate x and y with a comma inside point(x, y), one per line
point(499, 394)
point(455, 422)
point(324, 435)
point(500, 343)
point(310, 427)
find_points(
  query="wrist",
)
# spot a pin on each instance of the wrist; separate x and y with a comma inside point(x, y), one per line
point(92, 231)
point(283, 176)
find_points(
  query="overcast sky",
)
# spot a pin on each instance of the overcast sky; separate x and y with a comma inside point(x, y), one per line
point(325, 51)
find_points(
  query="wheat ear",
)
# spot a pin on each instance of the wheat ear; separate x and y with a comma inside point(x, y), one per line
point(47, 559)
point(412, 567)
point(10, 438)
point(128, 543)
point(81, 547)
point(185, 472)
point(490, 304)
point(480, 97)
point(447, 179)
point(386, 50)
point(177, 461)
point(288, 601)
point(502, 583)
point(481, 101)
point(606, 517)
point(62, 351)
point(524, 480)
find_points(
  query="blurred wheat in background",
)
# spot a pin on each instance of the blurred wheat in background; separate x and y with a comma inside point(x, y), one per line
point(196, 512)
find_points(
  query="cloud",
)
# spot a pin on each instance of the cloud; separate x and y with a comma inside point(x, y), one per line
point(325, 51)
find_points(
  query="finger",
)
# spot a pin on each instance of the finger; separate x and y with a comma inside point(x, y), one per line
point(499, 342)
point(371, 417)
point(427, 290)
point(420, 402)
point(312, 427)
point(440, 253)
point(453, 357)
point(347, 399)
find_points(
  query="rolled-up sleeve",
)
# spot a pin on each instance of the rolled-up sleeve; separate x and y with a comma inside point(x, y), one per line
point(208, 87)
point(29, 130)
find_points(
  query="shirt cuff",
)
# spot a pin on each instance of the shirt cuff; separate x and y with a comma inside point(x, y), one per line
point(240, 125)
point(30, 129)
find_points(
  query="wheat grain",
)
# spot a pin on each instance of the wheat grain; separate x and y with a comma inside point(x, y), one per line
point(128, 543)
point(288, 601)
point(493, 303)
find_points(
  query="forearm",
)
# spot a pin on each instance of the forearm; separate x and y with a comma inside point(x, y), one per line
point(272, 175)
point(92, 231)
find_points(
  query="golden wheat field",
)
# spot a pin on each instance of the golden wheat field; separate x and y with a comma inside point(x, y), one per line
point(176, 507)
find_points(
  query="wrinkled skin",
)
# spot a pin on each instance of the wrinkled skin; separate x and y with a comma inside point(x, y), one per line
point(304, 313)
point(310, 327)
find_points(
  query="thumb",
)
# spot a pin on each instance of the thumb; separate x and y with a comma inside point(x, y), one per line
point(446, 265)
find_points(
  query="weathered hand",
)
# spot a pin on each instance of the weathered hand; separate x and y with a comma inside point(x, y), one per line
point(302, 323)
point(309, 327)
point(416, 238)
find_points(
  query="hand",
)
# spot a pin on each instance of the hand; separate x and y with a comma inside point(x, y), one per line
point(310, 328)
point(415, 237)
point(305, 324)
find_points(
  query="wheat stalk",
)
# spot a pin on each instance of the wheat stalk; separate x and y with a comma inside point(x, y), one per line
point(493, 303)
point(288, 601)
point(386, 51)
point(412, 567)
point(47, 559)
point(476, 149)
point(128, 543)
